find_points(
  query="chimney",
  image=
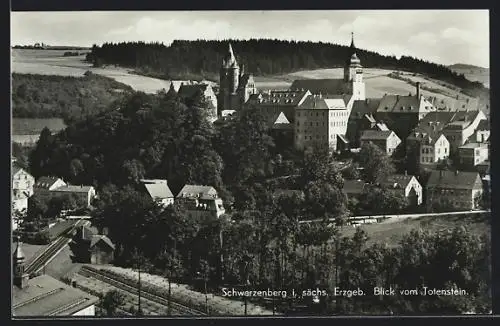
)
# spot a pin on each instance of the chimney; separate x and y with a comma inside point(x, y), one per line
point(406, 173)
point(418, 89)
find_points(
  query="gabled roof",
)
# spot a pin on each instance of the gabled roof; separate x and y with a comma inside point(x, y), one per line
point(404, 104)
point(46, 182)
point(360, 108)
point(376, 134)
point(278, 98)
point(96, 238)
point(483, 125)
point(73, 188)
point(316, 102)
point(322, 86)
point(397, 180)
point(282, 122)
point(354, 187)
point(196, 191)
point(157, 189)
point(46, 296)
point(452, 180)
point(245, 80)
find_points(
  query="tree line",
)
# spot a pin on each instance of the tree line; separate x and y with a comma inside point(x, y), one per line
point(259, 56)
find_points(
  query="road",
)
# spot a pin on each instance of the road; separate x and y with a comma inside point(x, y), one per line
point(40, 261)
point(398, 217)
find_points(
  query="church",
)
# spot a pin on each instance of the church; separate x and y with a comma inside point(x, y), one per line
point(235, 85)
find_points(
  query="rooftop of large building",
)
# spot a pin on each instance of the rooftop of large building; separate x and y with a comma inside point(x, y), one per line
point(157, 188)
point(368, 106)
point(189, 91)
point(278, 98)
point(73, 188)
point(322, 86)
point(404, 104)
point(46, 296)
point(398, 180)
point(319, 102)
point(46, 182)
point(453, 179)
point(197, 191)
point(376, 134)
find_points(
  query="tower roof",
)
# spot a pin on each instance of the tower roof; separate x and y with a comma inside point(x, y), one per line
point(230, 59)
point(352, 41)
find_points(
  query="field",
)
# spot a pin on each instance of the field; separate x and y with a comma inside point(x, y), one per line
point(26, 126)
point(473, 73)
point(390, 233)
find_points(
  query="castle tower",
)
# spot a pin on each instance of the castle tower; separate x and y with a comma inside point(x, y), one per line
point(229, 80)
point(21, 279)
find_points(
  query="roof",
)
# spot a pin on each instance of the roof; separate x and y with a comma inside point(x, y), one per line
point(188, 91)
point(46, 182)
point(452, 180)
point(317, 102)
point(196, 191)
point(376, 134)
point(278, 98)
point(398, 180)
point(343, 139)
point(382, 126)
point(323, 86)
point(86, 233)
point(245, 80)
point(474, 145)
point(483, 125)
point(353, 186)
point(282, 122)
point(73, 188)
point(46, 296)
point(157, 189)
point(103, 238)
point(404, 104)
point(360, 108)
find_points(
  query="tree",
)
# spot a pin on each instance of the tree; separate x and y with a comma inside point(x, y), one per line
point(375, 163)
point(382, 200)
point(40, 157)
point(111, 301)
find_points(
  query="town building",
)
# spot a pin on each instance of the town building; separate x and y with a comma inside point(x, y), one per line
point(462, 127)
point(190, 92)
point(457, 103)
point(407, 185)
point(482, 134)
point(387, 140)
point(472, 154)
point(321, 120)
point(351, 84)
point(22, 187)
point(44, 295)
point(158, 190)
point(433, 149)
point(361, 118)
point(49, 187)
point(282, 132)
point(403, 113)
point(201, 201)
point(235, 86)
point(272, 104)
point(88, 247)
point(457, 188)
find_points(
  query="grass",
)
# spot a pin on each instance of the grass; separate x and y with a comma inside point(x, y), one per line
point(391, 233)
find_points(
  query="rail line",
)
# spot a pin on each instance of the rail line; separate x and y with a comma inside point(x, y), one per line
point(184, 310)
point(50, 252)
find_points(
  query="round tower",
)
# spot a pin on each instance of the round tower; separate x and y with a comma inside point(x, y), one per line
point(20, 277)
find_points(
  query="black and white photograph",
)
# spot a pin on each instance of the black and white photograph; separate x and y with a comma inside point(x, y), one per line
point(213, 164)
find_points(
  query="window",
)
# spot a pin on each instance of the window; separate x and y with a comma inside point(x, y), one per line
point(439, 150)
point(311, 123)
point(298, 123)
point(317, 124)
point(316, 113)
point(445, 150)
point(298, 114)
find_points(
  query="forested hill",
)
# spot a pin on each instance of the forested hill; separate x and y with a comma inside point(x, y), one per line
point(260, 57)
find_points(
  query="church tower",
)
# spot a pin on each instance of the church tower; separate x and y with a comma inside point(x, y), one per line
point(228, 80)
point(353, 73)
point(21, 278)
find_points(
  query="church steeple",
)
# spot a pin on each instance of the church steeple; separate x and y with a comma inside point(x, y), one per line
point(353, 47)
point(230, 59)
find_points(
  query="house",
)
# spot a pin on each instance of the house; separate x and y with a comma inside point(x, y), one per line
point(201, 201)
point(458, 188)
point(433, 150)
point(22, 187)
point(361, 118)
point(462, 127)
point(158, 190)
point(46, 296)
point(351, 84)
point(49, 187)
point(387, 140)
point(354, 188)
point(482, 134)
point(403, 113)
point(472, 154)
point(321, 119)
point(189, 92)
point(88, 247)
point(407, 185)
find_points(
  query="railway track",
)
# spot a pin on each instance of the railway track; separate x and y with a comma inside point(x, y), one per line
point(182, 309)
point(48, 254)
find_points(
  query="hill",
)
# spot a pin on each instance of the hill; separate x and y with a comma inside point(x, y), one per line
point(70, 98)
point(473, 73)
point(262, 57)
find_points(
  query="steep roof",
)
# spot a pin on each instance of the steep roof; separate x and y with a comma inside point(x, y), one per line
point(196, 191)
point(158, 189)
point(323, 86)
point(452, 180)
point(73, 188)
point(360, 108)
point(46, 296)
point(245, 80)
point(376, 134)
point(316, 102)
point(354, 187)
point(282, 122)
point(46, 182)
point(278, 98)
point(404, 104)
point(483, 125)
point(189, 91)
point(103, 238)
point(397, 180)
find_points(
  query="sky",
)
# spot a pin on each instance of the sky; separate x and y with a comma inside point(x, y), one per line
point(441, 36)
